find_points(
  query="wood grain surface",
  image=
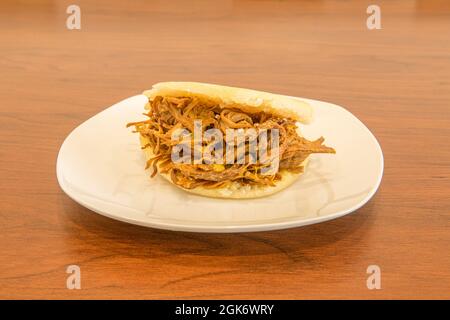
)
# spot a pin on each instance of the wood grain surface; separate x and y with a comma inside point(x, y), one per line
point(396, 80)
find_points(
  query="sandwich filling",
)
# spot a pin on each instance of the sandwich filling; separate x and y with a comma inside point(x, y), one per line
point(166, 115)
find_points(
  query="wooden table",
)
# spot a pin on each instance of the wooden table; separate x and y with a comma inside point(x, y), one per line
point(396, 80)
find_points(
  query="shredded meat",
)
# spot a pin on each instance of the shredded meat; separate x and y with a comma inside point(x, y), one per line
point(167, 114)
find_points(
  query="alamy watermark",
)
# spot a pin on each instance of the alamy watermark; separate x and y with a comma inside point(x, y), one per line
point(239, 146)
point(374, 20)
point(73, 21)
point(74, 279)
point(374, 280)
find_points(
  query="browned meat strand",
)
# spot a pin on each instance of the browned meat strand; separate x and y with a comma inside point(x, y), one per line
point(167, 114)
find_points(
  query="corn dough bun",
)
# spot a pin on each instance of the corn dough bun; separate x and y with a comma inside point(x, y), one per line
point(244, 99)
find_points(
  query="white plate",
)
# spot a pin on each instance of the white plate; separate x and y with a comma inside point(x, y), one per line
point(100, 166)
